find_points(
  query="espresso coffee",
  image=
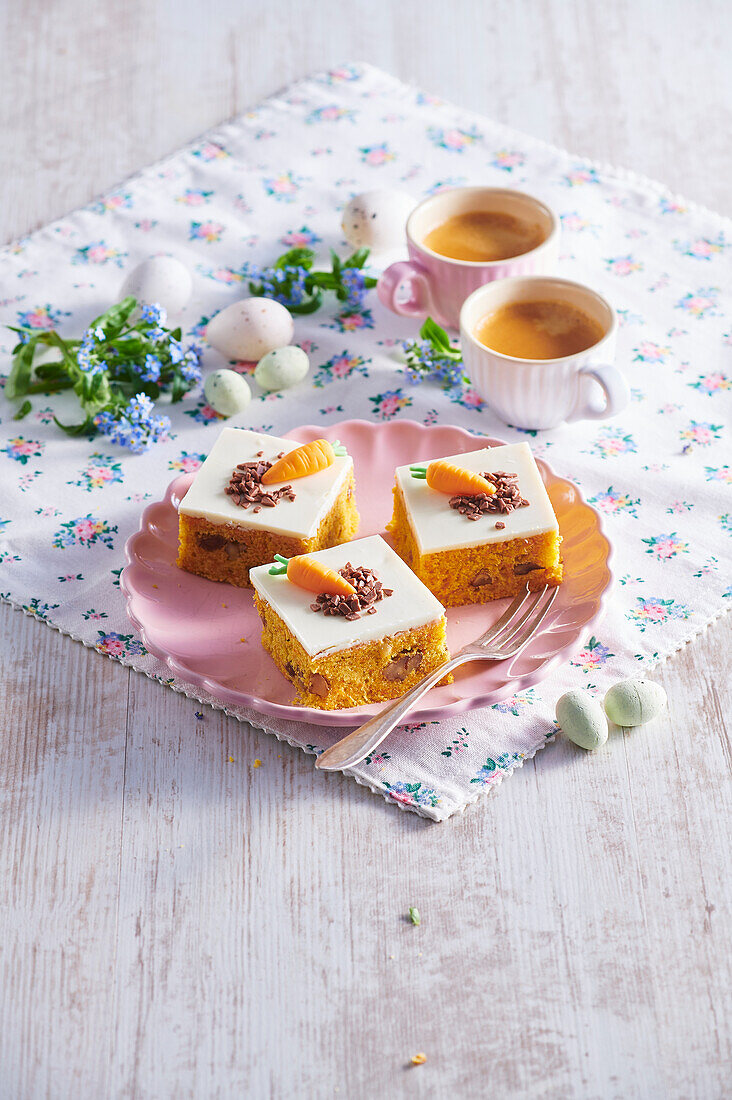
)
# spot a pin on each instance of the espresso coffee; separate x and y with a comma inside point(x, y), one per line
point(484, 235)
point(538, 330)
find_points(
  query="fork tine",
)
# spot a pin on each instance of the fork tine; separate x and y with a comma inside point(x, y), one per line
point(530, 622)
point(511, 611)
point(509, 629)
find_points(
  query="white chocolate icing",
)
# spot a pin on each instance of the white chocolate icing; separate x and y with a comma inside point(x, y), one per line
point(410, 606)
point(299, 518)
point(437, 526)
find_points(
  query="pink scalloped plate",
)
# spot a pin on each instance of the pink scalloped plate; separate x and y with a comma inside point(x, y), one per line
point(208, 632)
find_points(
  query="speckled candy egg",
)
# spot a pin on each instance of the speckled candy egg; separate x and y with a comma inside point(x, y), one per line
point(227, 392)
point(162, 280)
point(377, 219)
point(282, 368)
point(250, 328)
point(633, 702)
point(581, 719)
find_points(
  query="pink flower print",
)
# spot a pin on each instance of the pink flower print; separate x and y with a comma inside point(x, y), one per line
point(204, 414)
point(146, 224)
point(387, 405)
point(119, 200)
point(283, 187)
point(454, 140)
point(679, 507)
point(712, 383)
point(41, 317)
point(468, 398)
point(20, 449)
point(342, 74)
point(377, 155)
point(210, 150)
point(330, 409)
point(593, 656)
point(719, 473)
point(340, 367)
point(579, 176)
point(575, 223)
point(612, 502)
point(725, 522)
point(702, 248)
point(623, 265)
point(205, 231)
point(611, 442)
point(446, 184)
point(300, 238)
point(330, 113)
point(194, 196)
point(664, 547)
point(700, 433)
point(226, 275)
point(98, 253)
point(353, 321)
point(648, 352)
point(186, 462)
point(700, 304)
point(653, 611)
point(671, 206)
point(508, 159)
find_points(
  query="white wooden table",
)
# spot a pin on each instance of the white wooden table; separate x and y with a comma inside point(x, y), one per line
point(173, 924)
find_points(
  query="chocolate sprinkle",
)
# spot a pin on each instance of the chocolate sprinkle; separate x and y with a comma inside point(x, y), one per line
point(369, 591)
point(506, 498)
point(245, 486)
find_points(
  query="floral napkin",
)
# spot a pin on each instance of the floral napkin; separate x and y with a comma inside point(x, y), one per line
point(278, 177)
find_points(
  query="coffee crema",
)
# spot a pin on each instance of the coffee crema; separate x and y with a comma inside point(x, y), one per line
point(538, 330)
point(484, 235)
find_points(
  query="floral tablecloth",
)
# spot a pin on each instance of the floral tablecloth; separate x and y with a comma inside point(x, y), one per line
point(278, 177)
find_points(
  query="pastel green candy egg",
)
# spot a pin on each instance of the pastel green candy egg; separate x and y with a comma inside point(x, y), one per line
point(581, 719)
point(282, 368)
point(227, 392)
point(633, 702)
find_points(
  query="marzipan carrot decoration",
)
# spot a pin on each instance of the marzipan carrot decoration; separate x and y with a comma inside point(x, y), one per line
point(446, 477)
point(307, 572)
point(311, 458)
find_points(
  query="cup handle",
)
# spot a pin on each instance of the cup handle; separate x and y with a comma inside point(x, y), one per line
point(409, 274)
point(615, 388)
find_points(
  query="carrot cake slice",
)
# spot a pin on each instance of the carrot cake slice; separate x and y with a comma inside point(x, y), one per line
point(256, 496)
point(477, 527)
point(349, 625)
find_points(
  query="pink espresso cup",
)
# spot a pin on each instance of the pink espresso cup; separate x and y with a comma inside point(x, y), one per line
point(430, 284)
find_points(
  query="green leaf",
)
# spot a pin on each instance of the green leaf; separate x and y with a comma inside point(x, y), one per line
point(296, 257)
point(357, 259)
point(414, 915)
point(335, 264)
point(113, 319)
point(20, 372)
point(23, 411)
point(85, 428)
point(308, 307)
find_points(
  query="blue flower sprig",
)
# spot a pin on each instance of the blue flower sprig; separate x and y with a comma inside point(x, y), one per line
point(433, 356)
point(123, 362)
point(293, 282)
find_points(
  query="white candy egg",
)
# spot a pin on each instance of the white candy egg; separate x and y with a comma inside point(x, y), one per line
point(581, 719)
point(227, 392)
point(162, 280)
point(377, 219)
point(633, 702)
point(281, 368)
point(250, 328)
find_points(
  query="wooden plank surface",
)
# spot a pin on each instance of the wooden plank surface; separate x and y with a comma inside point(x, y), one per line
point(173, 923)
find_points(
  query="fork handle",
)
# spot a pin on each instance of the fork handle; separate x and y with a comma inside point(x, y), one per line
point(354, 747)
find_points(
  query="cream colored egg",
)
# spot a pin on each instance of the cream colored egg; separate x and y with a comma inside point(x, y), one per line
point(282, 368)
point(581, 719)
point(160, 280)
point(250, 328)
point(227, 392)
point(634, 702)
point(377, 219)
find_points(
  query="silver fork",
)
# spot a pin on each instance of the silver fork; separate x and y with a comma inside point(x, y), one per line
point(504, 639)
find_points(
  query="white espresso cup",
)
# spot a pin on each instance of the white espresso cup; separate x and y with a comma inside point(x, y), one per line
point(543, 393)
